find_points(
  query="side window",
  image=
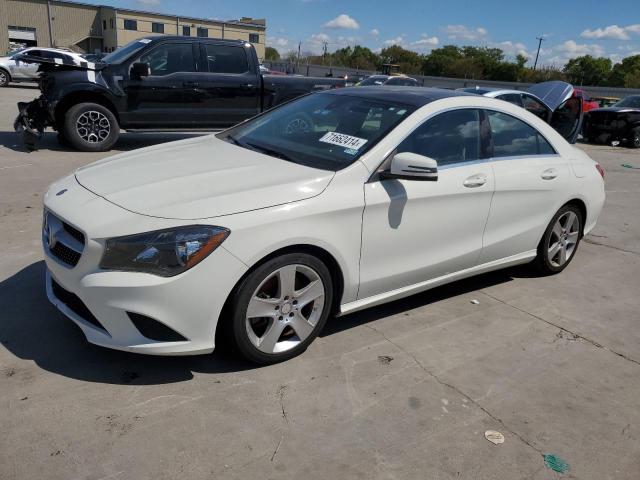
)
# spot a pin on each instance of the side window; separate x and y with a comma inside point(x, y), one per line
point(512, 137)
point(226, 59)
point(514, 98)
point(170, 58)
point(535, 106)
point(450, 137)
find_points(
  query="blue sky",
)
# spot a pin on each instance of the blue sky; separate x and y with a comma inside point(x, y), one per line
point(571, 27)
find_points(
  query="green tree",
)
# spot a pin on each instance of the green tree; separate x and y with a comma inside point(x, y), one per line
point(588, 70)
point(623, 73)
point(409, 61)
point(271, 53)
point(437, 61)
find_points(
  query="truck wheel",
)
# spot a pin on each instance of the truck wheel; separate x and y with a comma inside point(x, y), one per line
point(91, 127)
point(634, 140)
point(5, 78)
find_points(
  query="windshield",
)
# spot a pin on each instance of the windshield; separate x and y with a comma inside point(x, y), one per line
point(121, 54)
point(373, 80)
point(321, 130)
point(630, 102)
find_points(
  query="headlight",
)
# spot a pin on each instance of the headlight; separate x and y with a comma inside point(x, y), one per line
point(163, 252)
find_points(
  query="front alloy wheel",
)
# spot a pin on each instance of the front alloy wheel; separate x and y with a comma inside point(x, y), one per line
point(281, 307)
point(4, 78)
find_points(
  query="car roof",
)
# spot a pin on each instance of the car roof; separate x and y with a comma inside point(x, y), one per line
point(415, 96)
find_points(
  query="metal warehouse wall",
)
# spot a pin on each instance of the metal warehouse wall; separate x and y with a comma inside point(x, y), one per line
point(442, 82)
point(75, 23)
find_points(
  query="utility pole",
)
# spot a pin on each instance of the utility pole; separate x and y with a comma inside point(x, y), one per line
point(540, 40)
point(324, 54)
point(299, 47)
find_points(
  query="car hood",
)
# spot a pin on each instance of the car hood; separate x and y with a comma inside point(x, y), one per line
point(199, 178)
point(553, 93)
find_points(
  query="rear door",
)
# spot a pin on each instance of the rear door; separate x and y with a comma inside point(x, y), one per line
point(230, 85)
point(168, 96)
point(530, 181)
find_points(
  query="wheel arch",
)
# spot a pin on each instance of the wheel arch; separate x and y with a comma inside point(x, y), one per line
point(582, 206)
point(337, 275)
point(74, 98)
point(5, 70)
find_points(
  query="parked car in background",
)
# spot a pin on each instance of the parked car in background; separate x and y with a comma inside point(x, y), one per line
point(588, 103)
point(620, 122)
point(353, 79)
point(255, 236)
point(552, 102)
point(13, 68)
point(159, 82)
point(389, 80)
point(605, 101)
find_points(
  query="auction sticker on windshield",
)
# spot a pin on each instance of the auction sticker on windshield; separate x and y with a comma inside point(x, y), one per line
point(343, 140)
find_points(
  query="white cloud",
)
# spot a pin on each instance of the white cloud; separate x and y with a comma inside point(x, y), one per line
point(512, 49)
point(399, 40)
point(425, 42)
point(562, 53)
point(279, 43)
point(149, 3)
point(612, 32)
point(462, 32)
point(343, 21)
point(375, 32)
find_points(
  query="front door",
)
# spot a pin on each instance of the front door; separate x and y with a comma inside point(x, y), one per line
point(168, 96)
point(415, 231)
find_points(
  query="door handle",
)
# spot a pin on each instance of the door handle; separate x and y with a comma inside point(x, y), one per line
point(246, 85)
point(190, 84)
point(549, 174)
point(475, 181)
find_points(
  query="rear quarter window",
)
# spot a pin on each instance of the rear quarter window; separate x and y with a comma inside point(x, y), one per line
point(513, 138)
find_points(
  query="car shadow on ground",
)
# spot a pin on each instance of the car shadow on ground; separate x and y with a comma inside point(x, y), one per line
point(33, 329)
point(127, 141)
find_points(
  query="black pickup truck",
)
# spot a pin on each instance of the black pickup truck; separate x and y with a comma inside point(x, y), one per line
point(155, 83)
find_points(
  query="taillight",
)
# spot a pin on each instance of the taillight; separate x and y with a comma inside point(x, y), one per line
point(600, 170)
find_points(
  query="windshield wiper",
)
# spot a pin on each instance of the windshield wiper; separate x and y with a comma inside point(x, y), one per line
point(269, 151)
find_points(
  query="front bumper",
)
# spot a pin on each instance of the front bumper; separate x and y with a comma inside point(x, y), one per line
point(189, 304)
point(33, 117)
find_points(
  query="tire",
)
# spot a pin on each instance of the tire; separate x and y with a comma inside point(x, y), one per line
point(288, 325)
point(5, 78)
point(560, 241)
point(634, 140)
point(90, 127)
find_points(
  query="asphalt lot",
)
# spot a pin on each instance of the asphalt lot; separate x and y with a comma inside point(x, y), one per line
point(405, 390)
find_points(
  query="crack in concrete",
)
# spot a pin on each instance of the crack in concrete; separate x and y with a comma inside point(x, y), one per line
point(458, 391)
point(612, 247)
point(574, 334)
point(281, 393)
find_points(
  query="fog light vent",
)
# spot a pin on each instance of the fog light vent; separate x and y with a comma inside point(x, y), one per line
point(154, 330)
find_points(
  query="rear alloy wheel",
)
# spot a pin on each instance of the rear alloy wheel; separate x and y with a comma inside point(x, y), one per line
point(91, 127)
point(560, 241)
point(634, 141)
point(280, 308)
point(5, 78)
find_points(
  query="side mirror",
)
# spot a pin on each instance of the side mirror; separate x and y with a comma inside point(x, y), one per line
point(411, 166)
point(140, 70)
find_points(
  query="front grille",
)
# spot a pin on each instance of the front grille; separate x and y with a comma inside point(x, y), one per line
point(73, 303)
point(63, 241)
point(65, 254)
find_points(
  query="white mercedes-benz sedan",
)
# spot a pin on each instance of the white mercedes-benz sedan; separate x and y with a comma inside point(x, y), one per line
point(328, 204)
